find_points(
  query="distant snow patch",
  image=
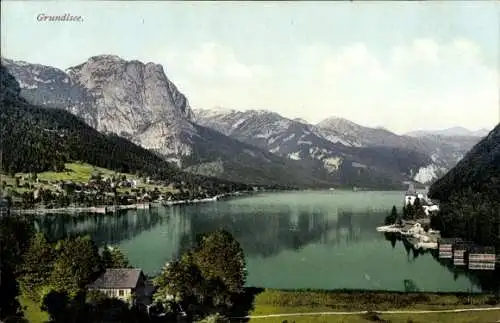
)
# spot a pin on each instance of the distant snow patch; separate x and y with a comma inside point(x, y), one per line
point(237, 123)
point(295, 155)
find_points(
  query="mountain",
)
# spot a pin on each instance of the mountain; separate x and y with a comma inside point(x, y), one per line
point(329, 154)
point(37, 139)
point(469, 195)
point(445, 151)
point(336, 139)
point(138, 102)
point(479, 170)
point(449, 132)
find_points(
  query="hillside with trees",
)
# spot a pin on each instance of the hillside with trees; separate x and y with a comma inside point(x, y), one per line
point(469, 195)
point(35, 139)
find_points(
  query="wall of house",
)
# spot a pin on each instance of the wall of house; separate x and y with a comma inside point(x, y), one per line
point(115, 293)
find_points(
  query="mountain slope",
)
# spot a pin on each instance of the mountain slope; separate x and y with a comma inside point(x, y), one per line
point(329, 156)
point(479, 170)
point(445, 151)
point(138, 102)
point(469, 195)
point(36, 139)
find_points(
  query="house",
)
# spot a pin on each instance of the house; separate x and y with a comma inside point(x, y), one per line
point(126, 284)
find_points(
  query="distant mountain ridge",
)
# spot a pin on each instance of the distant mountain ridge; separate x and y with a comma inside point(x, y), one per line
point(332, 139)
point(138, 102)
point(453, 131)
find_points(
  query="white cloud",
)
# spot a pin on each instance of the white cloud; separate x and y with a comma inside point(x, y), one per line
point(420, 84)
point(213, 60)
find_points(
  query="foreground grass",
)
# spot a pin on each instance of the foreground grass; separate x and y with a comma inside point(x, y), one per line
point(32, 311)
point(466, 317)
point(281, 302)
point(275, 301)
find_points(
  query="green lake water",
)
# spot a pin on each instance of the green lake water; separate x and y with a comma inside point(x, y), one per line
point(292, 240)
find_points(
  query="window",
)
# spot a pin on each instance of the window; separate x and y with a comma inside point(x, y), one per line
point(121, 292)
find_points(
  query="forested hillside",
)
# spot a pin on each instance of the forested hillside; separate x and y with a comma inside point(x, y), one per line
point(36, 139)
point(470, 194)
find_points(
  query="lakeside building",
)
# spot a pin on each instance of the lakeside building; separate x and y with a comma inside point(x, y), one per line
point(481, 258)
point(412, 195)
point(459, 252)
point(445, 247)
point(126, 284)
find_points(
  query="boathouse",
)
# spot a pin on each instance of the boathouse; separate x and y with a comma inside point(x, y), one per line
point(459, 250)
point(481, 258)
point(445, 247)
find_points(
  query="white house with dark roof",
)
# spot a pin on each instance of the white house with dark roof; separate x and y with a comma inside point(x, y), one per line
point(126, 284)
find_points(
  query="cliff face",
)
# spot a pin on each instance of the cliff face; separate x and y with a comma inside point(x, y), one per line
point(132, 99)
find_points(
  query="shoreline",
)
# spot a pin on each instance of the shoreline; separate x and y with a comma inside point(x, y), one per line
point(112, 209)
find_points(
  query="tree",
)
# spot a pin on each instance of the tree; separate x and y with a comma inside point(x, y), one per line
point(15, 234)
point(36, 266)
point(77, 264)
point(392, 217)
point(419, 212)
point(205, 280)
point(180, 282)
point(113, 257)
point(220, 256)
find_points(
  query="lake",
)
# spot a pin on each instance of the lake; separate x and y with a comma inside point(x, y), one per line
point(292, 240)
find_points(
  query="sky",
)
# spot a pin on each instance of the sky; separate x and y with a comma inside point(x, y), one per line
point(399, 65)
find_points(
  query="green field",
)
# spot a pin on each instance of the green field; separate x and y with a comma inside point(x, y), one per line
point(77, 173)
point(466, 317)
point(270, 302)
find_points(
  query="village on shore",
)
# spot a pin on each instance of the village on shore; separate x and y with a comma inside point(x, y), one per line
point(103, 194)
point(420, 236)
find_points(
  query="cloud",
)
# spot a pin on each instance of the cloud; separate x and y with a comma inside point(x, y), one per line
point(213, 60)
point(420, 84)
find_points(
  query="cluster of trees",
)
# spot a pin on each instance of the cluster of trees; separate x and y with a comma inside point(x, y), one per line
point(393, 217)
point(54, 275)
point(414, 211)
point(473, 216)
point(207, 280)
point(410, 212)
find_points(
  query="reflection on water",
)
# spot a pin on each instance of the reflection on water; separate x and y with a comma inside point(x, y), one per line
point(291, 240)
point(104, 229)
point(480, 280)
